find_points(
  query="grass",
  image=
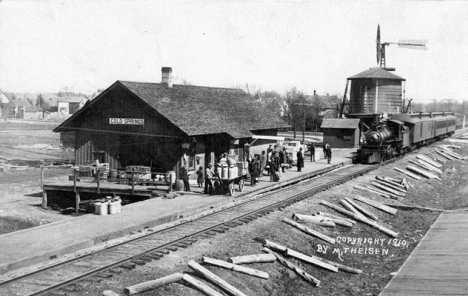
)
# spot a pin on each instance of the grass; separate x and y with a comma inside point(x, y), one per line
point(11, 224)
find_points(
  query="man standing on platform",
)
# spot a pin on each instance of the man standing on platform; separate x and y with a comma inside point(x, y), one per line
point(208, 179)
point(328, 152)
point(300, 160)
point(312, 152)
point(282, 159)
point(184, 176)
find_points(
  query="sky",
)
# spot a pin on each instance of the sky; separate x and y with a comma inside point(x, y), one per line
point(84, 46)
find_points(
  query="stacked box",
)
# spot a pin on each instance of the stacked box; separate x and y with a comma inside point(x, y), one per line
point(138, 169)
point(233, 172)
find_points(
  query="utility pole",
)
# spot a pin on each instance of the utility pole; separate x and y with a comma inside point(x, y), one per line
point(303, 119)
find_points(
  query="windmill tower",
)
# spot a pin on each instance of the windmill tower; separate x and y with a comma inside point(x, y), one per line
point(377, 90)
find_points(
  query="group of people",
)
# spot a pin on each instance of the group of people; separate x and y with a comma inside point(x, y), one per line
point(274, 160)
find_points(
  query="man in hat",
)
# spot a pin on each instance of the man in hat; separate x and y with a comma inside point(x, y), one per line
point(209, 173)
point(300, 160)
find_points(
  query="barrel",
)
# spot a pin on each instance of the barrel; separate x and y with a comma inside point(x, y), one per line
point(119, 205)
point(225, 174)
point(101, 208)
point(233, 172)
point(113, 173)
point(112, 208)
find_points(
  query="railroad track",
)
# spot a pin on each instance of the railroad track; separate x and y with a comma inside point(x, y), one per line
point(153, 246)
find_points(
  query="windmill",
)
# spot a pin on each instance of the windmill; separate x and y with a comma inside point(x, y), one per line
point(412, 44)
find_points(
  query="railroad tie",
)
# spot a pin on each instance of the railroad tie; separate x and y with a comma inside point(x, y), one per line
point(128, 265)
point(138, 262)
point(163, 251)
point(145, 258)
point(182, 244)
point(103, 275)
point(116, 271)
point(219, 230)
point(171, 248)
point(153, 256)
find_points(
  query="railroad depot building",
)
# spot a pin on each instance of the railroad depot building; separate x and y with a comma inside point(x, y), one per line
point(164, 126)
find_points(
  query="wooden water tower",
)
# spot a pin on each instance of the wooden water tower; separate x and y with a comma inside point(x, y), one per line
point(376, 91)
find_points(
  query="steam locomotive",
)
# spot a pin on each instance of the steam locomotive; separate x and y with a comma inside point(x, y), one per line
point(400, 133)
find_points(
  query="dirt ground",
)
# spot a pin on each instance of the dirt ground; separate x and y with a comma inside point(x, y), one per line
point(20, 197)
point(377, 255)
point(23, 146)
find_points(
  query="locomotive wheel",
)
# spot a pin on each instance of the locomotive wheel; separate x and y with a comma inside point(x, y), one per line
point(231, 189)
point(241, 185)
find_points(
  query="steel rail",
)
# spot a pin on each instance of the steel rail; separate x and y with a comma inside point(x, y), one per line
point(250, 215)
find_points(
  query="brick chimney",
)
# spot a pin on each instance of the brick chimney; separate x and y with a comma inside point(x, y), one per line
point(166, 76)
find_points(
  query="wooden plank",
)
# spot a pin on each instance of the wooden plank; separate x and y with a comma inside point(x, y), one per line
point(309, 231)
point(376, 205)
point(362, 210)
point(414, 176)
point(360, 218)
point(235, 267)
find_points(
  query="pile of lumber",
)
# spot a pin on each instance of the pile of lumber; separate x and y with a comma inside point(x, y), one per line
point(387, 187)
point(429, 165)
point(203, 275)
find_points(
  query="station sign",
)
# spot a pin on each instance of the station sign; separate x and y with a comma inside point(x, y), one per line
point(128, 121)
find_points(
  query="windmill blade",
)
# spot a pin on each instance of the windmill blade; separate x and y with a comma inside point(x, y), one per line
point(413, 44)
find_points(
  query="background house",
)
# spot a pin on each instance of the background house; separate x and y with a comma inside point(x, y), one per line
point(17, 107)
point(69, 105)
point(33, 112)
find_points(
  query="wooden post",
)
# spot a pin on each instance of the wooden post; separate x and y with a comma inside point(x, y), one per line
point(133, 183)
point(362, 210)
point(293, 267)
point(74, 180)
point(427, 159)
point(98, 181)
point(391, 181)
point(257, 258)
point(309, 231)
point(201, 285)
point(146, 286)
point(170, 183)
point(238, 268)
point(373, 191)
point(42, 177)
point(349, 207)
point(318, 220)
point(422, 172)
point(44, 199)
point(388, 189)
point(430, 166)
point(77, 202)
point(338, 265)
point(331, 216)
point(311, 260)
point(377, 205)
point(392, 185)
point(215, 279)
point(414, 176)
point(360, 218)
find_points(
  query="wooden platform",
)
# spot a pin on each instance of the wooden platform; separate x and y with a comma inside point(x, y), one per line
point(439, 264)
